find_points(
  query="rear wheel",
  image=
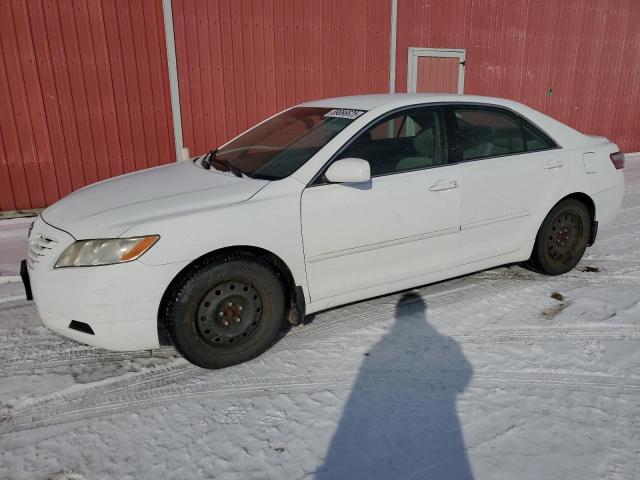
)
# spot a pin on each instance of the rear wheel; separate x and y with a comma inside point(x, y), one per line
point(226, 311)
point(562, 238)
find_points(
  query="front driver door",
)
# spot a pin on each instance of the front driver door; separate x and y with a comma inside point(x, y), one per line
point(401, 225)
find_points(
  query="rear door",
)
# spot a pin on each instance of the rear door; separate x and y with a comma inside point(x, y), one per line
point(509, 171)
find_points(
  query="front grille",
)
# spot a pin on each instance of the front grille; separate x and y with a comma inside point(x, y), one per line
point(39, 247)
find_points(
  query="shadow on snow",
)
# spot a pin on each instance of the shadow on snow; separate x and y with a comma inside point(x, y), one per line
point(400, 420)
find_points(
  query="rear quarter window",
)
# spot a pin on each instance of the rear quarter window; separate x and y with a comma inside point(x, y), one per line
point(535, 139)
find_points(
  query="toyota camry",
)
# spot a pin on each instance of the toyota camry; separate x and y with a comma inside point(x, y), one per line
point(325, 203)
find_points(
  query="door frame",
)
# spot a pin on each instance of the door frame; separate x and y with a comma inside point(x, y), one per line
point(412, 65)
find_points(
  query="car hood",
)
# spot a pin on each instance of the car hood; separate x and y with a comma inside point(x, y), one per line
point(111, 207)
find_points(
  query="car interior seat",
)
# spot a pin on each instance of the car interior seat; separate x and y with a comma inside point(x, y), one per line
point(425, 148)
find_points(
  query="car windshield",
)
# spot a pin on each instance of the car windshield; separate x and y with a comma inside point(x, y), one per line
point(278, 147)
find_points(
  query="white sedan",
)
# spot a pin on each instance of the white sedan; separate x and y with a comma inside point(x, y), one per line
point(326, 203)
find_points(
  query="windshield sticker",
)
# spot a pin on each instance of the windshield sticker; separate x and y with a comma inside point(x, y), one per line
point(344, 113)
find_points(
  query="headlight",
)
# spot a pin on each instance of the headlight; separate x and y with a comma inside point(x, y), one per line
point(86, 253)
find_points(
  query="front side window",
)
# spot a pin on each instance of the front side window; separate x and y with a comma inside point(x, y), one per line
point(481, 133)
point(278, 147)
point(409, 140)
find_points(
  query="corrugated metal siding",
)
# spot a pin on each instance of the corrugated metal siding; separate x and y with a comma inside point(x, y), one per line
point(586, 51)
point(84, 95)
point(240, 61)
point(84, 90)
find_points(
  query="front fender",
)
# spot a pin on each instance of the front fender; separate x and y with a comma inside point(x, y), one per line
point(268, 221)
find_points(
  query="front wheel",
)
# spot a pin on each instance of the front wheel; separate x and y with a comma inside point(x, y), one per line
point(226, 311)
point(562, 238)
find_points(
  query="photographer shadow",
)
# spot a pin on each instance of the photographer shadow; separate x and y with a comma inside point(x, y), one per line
point(400, 420)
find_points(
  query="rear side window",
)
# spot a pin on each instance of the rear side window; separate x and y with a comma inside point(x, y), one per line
point(481, 133)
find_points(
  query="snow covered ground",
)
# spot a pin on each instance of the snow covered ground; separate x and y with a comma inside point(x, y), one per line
point(485, 376)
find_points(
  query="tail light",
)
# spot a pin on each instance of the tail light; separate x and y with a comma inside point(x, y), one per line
point(618, 160)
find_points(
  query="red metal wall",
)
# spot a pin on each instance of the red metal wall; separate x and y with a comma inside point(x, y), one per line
point(84, 95)
point(240, 61)
point(587, 51)
point(84, 91)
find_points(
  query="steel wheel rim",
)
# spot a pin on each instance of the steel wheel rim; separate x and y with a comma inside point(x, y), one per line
point(564, 237)
point(229, 314)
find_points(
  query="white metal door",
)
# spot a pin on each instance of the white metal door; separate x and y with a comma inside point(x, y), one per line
point(503, 198)
point(435, 70)
point(505, 184)
point(397, 227)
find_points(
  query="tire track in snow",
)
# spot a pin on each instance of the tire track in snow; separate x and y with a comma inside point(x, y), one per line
point(76, 356)
point(359, 341)
point(386, 306)
point(15, 303)
point(179, 374)
point(85, 392)
point(266, 386)
point(500, 336)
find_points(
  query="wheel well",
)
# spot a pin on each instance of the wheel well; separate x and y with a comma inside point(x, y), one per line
point(586, 200)
point(265, 255)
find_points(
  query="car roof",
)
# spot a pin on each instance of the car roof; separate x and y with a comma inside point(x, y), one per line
point(392, 100)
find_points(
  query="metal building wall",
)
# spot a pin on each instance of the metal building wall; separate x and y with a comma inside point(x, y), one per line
point(240, 61)
point(586, 51)
point(84, 90)
point(84, 95)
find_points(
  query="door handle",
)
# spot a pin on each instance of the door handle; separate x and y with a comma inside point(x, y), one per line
point(551, 164)
point(443, 185)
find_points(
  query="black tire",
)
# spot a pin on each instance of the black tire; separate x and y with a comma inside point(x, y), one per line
point(562, 238)
point(226, 310)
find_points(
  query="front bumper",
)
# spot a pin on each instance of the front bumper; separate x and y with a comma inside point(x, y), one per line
point(118, 302)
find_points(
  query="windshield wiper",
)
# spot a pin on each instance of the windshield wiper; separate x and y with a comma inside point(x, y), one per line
point(229, 167)
point(210, 158)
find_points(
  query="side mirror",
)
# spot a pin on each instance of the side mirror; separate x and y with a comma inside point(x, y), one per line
point(349, 170)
